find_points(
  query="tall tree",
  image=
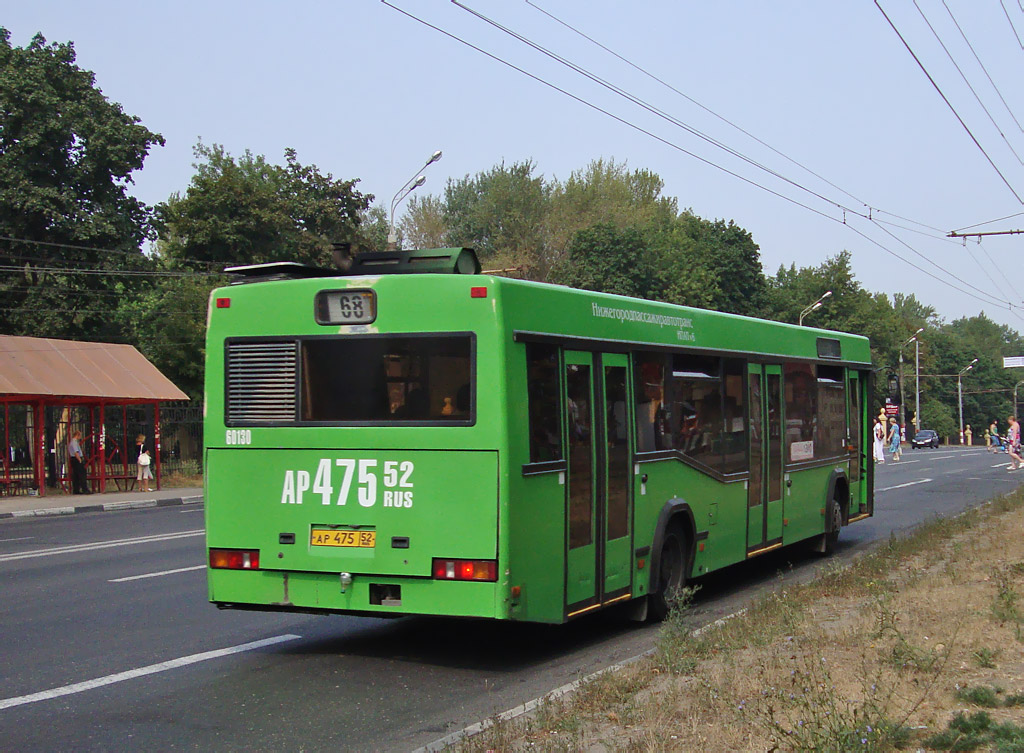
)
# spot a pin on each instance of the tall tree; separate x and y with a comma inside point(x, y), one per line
point(424, 224)
point(604, 192)
point(249, 211)
point(67, 155)
point(500, 212)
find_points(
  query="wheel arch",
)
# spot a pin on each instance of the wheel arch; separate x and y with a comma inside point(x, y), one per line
point(675, 512)
point(839, 489)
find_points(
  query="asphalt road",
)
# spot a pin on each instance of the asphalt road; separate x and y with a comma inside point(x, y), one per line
point(107, 641)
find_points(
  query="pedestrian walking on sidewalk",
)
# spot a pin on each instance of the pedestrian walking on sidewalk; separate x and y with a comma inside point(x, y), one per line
point(1013, 443)
point(79, 478)
point(878, 445)
point(144, 461)
point(894, 439)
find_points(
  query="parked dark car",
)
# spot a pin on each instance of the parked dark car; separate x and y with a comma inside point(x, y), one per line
point(925, 438)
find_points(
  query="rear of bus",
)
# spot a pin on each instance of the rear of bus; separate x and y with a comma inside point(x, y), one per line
point(354, 467)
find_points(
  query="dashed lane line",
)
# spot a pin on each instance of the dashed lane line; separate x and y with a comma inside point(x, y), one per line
point(74, 548)
point(157, 575)
point(131, 674)
point(901, 486)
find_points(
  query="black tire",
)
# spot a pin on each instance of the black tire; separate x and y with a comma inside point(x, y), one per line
point(833, 525)
point(671, 574)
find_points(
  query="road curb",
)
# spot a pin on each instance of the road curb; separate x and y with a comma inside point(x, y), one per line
point(104, 507)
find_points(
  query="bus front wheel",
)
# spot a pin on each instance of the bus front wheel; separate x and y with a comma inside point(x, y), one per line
point(671, 574)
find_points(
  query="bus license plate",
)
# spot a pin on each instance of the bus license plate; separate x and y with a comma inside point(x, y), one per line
point(364, 539)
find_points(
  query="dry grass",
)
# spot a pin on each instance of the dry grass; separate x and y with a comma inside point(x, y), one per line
point(918, 645)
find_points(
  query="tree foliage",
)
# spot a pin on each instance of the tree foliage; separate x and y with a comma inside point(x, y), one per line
point(250, 211)
point(67, 155)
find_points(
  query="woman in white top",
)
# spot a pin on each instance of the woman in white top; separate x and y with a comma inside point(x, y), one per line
point(879, 442)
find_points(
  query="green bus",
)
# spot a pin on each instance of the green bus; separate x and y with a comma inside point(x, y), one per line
point(410, 436)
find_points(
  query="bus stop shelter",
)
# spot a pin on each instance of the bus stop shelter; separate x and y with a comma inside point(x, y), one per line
point(50, 388)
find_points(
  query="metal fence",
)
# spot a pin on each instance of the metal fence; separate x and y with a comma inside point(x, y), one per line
point(109, 436)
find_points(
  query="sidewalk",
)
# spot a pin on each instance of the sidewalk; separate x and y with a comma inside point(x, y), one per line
point(67, 504)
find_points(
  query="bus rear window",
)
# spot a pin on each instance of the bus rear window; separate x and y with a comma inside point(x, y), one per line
point(387, 379)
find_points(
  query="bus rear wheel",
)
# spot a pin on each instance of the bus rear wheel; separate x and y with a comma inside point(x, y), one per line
point(671, 574)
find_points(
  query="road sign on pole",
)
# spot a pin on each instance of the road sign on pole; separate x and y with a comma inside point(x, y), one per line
point(1013, 362)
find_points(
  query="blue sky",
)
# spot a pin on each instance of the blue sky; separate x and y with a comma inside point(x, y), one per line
point(363, 91)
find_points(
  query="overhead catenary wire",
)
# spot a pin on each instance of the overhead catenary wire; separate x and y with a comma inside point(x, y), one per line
point(989, 222)
point(618, 90)
point(652, 109)
point(1012, 26)
point(967, 82)
point(609, 114)
point(948, 103)
point(982, 65)
point(984, 296)
point(693, 101)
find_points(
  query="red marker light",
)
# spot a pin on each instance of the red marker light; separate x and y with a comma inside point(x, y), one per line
point(478, 292)
point(223, 303)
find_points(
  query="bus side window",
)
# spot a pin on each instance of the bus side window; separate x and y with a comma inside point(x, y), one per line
point(544, 402)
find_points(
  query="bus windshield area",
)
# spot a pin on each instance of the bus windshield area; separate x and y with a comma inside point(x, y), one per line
point(387, 379)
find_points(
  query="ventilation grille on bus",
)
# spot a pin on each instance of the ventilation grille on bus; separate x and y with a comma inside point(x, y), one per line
point(261, 381)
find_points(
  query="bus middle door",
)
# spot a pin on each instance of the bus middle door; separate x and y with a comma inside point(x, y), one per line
point(764, 489)
point(598, 513)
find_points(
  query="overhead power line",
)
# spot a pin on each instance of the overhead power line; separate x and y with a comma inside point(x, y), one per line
point(989, 222)
point(981, 295)
point(635, 100)
point(693, 101)
point(948, 103)
point(982, 65)
point(968, 83)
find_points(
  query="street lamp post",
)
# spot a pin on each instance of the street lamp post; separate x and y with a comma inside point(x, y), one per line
point(411, 185)
point(917, 386)
point(813, 307)
point(960, 394)
point(1014, 412)
point(903, 408)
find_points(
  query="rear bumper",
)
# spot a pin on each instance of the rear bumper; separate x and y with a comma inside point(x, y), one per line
point(272, 590)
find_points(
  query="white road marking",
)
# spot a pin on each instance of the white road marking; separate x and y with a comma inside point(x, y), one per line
point(157, 575)
point(20, 538)
point(900, 486)
point(999, 465)
point(131, 674)
point(99, 545)
point(187, 511)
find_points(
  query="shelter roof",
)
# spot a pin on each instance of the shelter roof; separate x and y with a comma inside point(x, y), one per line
point(43, 367)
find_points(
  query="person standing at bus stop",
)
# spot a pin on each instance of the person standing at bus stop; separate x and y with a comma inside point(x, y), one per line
point(145, 472)
point(79, 480)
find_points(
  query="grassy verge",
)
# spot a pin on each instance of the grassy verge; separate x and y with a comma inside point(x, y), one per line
point(918, 645)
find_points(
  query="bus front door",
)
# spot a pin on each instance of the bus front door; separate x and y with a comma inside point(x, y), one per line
point(854, 445)
point(764, 488)
point(598, 514)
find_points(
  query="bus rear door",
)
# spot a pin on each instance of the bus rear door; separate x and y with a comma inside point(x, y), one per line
point(598, 512)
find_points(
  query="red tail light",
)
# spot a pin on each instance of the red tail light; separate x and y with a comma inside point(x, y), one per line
point(235, 559)
point(478, 292)
point(482, 570)
point(223, 303)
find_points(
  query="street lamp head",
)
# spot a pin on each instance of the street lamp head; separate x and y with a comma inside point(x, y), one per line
point(434, 157)
point(419, 182)
point(826, 295)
